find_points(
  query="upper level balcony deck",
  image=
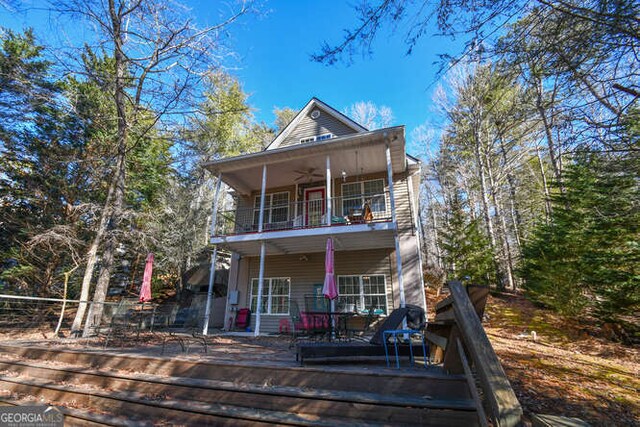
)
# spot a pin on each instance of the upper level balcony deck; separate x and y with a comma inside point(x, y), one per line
point(300, 227)
point(281, 215)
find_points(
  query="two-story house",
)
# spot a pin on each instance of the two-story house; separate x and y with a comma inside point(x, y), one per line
point(323, 176)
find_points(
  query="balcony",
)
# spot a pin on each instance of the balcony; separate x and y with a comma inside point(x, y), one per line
point(310, 214)
point(301, 227)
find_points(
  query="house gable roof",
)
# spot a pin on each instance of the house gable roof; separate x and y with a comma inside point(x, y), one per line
point(338, 125)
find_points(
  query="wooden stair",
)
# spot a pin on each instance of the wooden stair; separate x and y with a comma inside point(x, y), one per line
point(150, 390)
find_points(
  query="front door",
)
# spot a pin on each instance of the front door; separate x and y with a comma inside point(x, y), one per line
point(314, 206)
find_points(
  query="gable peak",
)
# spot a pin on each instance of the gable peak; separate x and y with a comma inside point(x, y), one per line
point(315, 109)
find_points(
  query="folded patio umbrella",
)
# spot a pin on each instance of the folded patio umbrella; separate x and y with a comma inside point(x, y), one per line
point(145, 290)
point(329, 290)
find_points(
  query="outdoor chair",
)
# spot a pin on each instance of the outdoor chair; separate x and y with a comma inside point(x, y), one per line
point(310, 325)
point(120, 327)
point(243, 319)
point(297, 325)
point(364, 333)
point(183, 330)
point(375, 347)
point(164, 315)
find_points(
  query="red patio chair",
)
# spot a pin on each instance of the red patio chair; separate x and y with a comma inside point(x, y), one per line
point(243, 318)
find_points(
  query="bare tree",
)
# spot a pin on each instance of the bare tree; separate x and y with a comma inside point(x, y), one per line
point(370, 115)
point(159, 59)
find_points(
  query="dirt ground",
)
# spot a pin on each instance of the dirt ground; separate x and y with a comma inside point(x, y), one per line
point(556, 366)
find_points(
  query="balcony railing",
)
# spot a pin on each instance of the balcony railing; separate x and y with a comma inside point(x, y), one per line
point(346, 210)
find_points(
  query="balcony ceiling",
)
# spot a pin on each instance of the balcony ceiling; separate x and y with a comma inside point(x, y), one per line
point(355, 237)
point(358, 154)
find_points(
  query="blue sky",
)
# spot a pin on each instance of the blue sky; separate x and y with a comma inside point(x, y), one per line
point(276, 68)
point(273, 59)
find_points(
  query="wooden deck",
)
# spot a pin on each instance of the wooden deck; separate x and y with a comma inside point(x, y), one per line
point(236, 380)
point(214, 388)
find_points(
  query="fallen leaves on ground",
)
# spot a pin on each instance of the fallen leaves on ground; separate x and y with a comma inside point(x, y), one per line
point(566, 371)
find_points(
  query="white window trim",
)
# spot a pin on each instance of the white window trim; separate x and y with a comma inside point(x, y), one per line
point(321, 137)
point(266, 291)
point(269, 210)
point(361, 285)
point(362, 195)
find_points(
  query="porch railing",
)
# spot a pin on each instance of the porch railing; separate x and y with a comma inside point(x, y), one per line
point(346, 210)
point(467, 350)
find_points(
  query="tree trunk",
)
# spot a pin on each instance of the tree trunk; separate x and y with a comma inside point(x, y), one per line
point(502, 227)
point(99, 295)
point(485, 202)
point(434, 231)
point(516, 219)
point(545, 187)
point(551, 144)
point(92, 256)
point(471, 197)
point(120, 97)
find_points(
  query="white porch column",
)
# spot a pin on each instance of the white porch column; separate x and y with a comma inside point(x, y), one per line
point(394, 219)
point(329, 215)
point(263, 249)
point(214, 255)
point(262, 194)
point(328, 194)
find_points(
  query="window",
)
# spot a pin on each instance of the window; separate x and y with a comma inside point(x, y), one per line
point(364, 291)
point(276, 209)
point(355, 194)
point(275, 295)
point(316, 138)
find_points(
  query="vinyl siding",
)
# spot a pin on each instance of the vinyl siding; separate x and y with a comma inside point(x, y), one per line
point(305, 274)
point(308, 127)
point(407, 234)
point(404, 213)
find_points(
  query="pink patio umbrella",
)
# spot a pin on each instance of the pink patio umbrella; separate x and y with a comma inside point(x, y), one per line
point(145, 290)
point(329, 290)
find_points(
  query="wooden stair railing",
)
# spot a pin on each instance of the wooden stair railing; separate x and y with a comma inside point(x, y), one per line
point(458, 324)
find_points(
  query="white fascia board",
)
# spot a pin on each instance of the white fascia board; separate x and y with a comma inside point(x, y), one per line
point(305, 232)
point(298, 151)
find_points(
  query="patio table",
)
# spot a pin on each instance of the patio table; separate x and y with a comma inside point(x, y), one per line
point(332, 323)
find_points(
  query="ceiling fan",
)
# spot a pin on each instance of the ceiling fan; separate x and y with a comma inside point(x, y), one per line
point(307, 174)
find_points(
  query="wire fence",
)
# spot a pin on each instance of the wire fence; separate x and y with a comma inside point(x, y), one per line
point(21, 316)
point(37, 317)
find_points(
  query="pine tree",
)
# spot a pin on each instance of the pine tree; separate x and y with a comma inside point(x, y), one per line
point(467, 250)
point(40, 143)
point(585, 261)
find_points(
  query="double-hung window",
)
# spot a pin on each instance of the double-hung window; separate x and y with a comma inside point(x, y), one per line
point(364, 291)
point(276, 210)
point(275, 295)
point(356, 194)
